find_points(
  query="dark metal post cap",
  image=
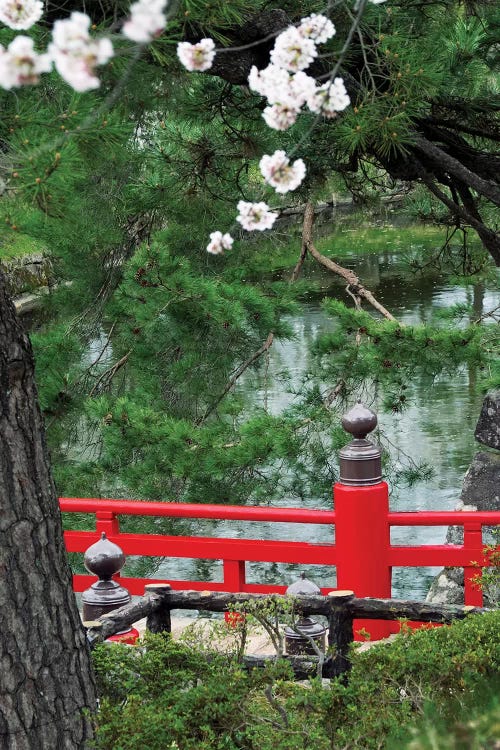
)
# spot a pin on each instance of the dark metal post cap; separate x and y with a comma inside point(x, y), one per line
point(360, 460)
point(359, 421)
point(104, 558)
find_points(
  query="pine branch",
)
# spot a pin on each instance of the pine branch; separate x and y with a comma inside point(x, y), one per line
point(239, 372)
point(490, 239)
point(454, 167)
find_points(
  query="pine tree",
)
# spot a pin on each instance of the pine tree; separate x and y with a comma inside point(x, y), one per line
point(123, 186)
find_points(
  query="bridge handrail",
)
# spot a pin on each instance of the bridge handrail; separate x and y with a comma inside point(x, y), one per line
point(197, 510)
point(234, 553)
point(258, 513)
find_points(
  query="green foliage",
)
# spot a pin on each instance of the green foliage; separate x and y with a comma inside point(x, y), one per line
point(477, 729)
point(169, 694)
point(57, 374)
point(489, 579)
point(390, 354)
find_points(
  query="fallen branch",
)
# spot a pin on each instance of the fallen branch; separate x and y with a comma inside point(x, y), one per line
point(354, 286)
point(239, 372)
point(308, 222)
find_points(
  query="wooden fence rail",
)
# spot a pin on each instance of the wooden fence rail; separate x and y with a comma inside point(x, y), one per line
point(341, 608)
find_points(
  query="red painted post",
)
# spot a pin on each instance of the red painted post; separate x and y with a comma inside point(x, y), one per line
point(362, 538)
point(473, 543)
point(105, 520)
point(234, 581)
point(362, 531)
point(234, 575)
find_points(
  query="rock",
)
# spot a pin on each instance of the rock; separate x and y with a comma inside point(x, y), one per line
point(446, 589)
point(481, 489)
point(488, 426)
point(28, 273)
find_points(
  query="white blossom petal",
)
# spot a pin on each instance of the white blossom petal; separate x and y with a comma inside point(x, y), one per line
point(198, 56)
point(20, 64)
point(147, 21)
point(329, 98)
point(280, 116)
point(20, 14)
point(316, 27)
point(219, 242)
point(76, 54)
point(280, 174)
point(293, 51)
point(255, 216)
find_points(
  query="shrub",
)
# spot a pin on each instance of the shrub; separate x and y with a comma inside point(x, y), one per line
point(169, 695)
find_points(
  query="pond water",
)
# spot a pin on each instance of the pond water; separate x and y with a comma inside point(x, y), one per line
point(437, 428)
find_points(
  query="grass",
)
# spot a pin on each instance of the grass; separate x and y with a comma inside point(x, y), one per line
point(354, 236)
point(17, 245)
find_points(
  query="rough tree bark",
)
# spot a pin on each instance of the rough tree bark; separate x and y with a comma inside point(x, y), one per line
point(47, 693)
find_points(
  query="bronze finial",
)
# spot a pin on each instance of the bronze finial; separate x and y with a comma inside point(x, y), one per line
point(360, 460)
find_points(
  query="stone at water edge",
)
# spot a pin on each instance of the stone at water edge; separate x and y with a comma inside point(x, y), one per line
point(488, 426)
point(480, 491)
point(447, 587)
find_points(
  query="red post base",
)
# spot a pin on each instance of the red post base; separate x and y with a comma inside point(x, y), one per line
point(362, 540)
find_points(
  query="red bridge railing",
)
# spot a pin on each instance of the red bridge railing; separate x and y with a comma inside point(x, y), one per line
point(360, 548)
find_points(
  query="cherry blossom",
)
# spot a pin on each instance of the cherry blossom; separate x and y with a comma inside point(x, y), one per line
point(285, 93)
point(280, 116)
point(20, 64)
point(330, 98)
point(255, 216)
point(147, 20)
point(20, 14)
point(219, 242)
point(280, 174)
point(281, 87)
point(316, 27)
point(302, 87)
point(293, 51)
point(198, 56)
point(272, 82)
point(76, 54)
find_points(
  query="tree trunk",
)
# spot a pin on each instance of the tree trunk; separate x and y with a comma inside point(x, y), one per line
point(47, 692)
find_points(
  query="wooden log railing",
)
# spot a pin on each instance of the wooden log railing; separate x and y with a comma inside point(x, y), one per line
point(341, 608)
